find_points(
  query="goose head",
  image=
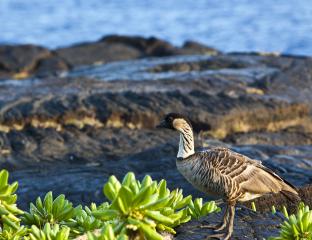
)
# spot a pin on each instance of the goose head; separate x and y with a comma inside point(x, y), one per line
point(182, 124)
point(175, 121)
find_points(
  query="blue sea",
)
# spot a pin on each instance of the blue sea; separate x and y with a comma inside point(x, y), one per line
point(229, 25)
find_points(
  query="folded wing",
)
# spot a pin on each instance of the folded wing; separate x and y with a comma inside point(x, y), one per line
point(249, 177)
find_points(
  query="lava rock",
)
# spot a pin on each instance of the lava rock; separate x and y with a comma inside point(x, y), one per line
point(192, 47)
point(22, 61)
point(20, 58)
point(97, 53)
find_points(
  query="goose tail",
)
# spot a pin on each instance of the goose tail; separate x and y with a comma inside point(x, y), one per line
point(290, 192)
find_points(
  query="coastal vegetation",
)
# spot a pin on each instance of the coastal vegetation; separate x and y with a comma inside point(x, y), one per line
point(135, 209)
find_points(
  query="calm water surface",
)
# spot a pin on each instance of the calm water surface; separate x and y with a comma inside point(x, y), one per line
point(236, 25)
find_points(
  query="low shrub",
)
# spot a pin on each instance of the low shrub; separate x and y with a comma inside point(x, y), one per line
point(296, 227)
point(135, 209)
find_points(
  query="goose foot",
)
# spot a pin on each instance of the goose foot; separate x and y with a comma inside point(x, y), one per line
point(220, 227)
point(216, 227)
point(220, 236)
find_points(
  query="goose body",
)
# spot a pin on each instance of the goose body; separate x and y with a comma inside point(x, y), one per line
point(223, 173)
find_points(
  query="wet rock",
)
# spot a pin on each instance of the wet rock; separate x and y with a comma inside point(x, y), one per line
point(223, 103)
point(148, 46)
point(288, 136)
point(22, 61)
point(97, 53)
point(220, 103)
point(52, 65)
point(221, 62)
point(21, 58)
point(191, 47)
point(116, 48)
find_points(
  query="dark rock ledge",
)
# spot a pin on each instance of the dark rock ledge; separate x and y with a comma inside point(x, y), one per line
point(25, 60)
point(88, 111)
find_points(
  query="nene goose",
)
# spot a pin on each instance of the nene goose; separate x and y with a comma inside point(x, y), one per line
point(223, 173)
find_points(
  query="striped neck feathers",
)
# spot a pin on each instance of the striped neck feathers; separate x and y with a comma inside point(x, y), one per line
point(186, 145)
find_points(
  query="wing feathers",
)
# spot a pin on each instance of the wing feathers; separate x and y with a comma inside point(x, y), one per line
point(250, 175)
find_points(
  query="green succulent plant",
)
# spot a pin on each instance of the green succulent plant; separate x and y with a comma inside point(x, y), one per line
point(197, 209)
point(273, 209)
point(253, 207)
point(49, 232)
point(8, 208)
point(13, 234)
point(145, 207)
point(107, 233)
point(135, 209)
point(296, 227)
point(10, 228)
point(50, 211)
point(84, 221)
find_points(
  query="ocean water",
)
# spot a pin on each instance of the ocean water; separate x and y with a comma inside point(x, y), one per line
point(229, 25)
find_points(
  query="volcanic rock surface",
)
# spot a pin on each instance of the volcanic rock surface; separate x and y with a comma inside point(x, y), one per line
point(71, 117)
point(26, 60)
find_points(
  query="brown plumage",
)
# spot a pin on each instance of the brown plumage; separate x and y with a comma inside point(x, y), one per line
point(223, 173)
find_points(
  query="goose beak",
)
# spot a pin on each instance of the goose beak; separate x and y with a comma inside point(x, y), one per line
point(162, 124)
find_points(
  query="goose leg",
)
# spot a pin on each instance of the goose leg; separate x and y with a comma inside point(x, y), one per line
point(218, 226)
point(219, 236)
point(221, 226)
point(229, 225)
point(225, 220)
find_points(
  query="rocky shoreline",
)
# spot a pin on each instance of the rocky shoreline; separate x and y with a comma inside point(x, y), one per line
point(27, 60)
point(71, 117)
